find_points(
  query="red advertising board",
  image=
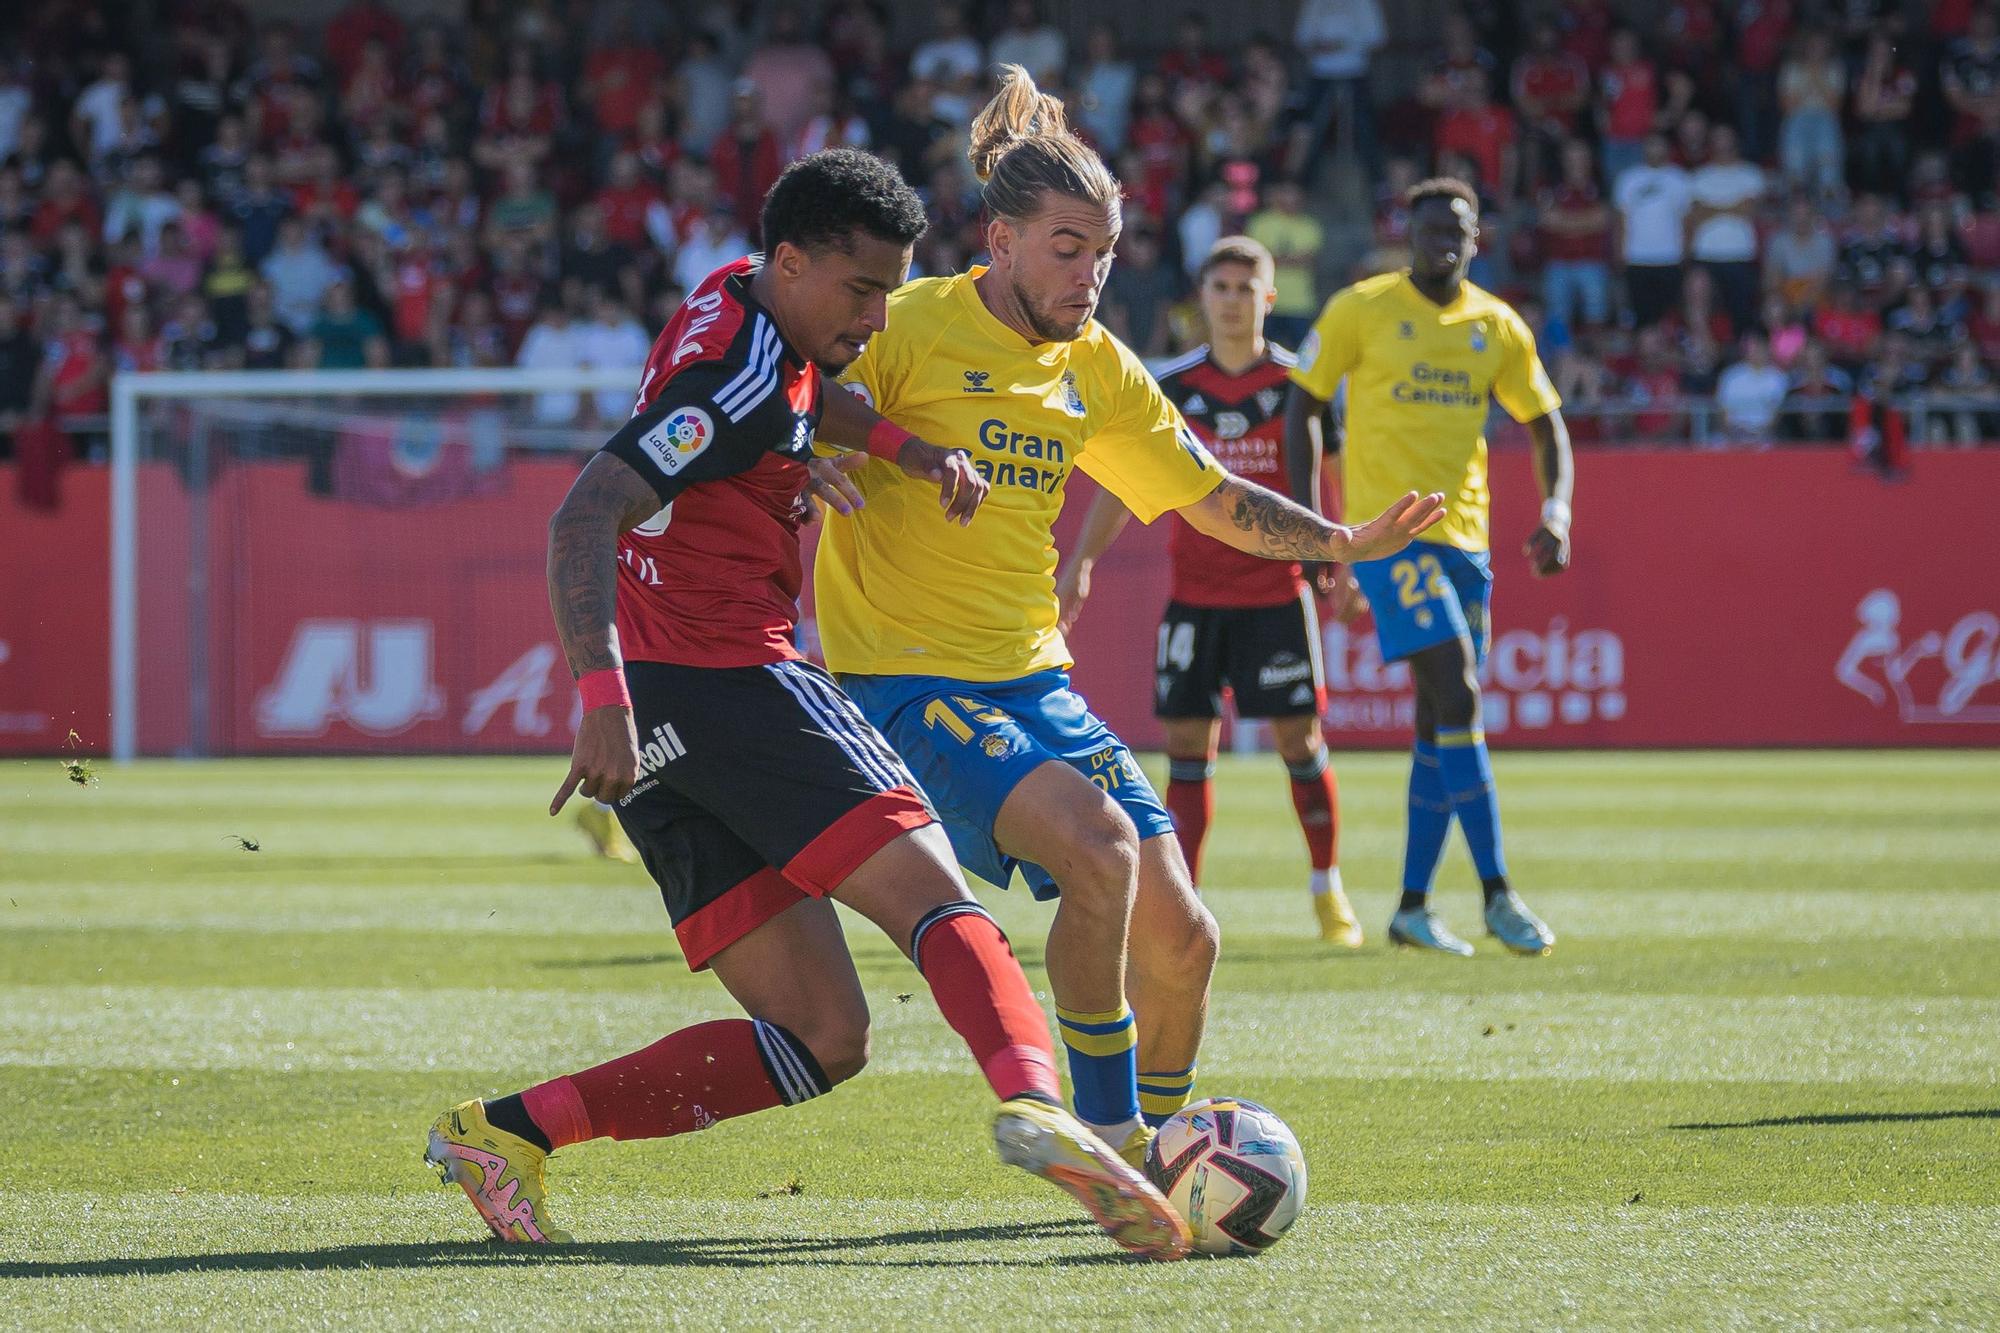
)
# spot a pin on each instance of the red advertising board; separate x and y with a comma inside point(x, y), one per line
point(1728, 599)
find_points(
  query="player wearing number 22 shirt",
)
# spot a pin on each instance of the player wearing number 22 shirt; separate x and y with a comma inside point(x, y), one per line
point(1423, 352)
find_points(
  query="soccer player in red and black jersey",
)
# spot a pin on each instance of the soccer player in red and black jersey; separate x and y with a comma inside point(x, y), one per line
point(755, 791)
point(1235, 620)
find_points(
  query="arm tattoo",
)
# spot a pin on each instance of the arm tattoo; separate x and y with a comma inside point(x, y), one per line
point(1283, 529)
point(583, 559)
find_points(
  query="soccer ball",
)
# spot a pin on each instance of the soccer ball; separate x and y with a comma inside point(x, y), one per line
point(1233, 1170)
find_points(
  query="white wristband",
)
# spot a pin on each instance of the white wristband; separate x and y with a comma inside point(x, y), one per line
point(1555, 513)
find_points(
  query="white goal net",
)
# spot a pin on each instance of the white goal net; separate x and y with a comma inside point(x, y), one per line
point(342, 562)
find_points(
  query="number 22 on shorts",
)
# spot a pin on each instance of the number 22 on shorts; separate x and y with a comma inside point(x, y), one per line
point(1418, 579)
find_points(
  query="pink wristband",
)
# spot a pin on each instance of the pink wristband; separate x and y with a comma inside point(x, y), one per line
point(603, 689)
point(886, 440)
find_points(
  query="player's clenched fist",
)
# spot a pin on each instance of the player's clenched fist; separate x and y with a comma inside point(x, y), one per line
point(605, 763)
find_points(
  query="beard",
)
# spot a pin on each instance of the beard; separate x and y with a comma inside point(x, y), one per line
point(1049, 325)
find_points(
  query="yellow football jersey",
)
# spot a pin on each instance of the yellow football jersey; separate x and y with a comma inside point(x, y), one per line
point(1418, 376)
point(901, 590)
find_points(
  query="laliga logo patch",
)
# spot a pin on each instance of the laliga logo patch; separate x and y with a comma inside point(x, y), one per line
point(675, 442)
point(860, 390)
point(1072, 400)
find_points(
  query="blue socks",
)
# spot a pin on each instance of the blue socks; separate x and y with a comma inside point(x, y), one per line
point(1429, 823)
point(1467, 774)
point(1103, 1064)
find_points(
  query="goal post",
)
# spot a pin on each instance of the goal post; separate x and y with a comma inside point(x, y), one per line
point(190, 499)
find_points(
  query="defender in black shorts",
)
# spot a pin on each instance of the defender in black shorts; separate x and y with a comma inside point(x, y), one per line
point(754, 790)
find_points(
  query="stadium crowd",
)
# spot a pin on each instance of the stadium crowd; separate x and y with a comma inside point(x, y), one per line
point(1774, 209)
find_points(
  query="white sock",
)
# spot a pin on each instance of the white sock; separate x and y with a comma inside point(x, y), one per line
point(1325, 881)
point(1115, 1135)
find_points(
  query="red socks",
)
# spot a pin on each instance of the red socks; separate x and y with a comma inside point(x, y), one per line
point(693, 1078)
point(687, 1080)
point(1191, 801)
point(979, 988)
point(1316, 797)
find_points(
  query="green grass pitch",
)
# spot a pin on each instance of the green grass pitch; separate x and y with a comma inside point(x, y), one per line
point(1758, 1083)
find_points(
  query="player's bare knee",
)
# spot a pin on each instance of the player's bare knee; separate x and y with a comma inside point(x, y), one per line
point(842, 1045)
point(1103, 869)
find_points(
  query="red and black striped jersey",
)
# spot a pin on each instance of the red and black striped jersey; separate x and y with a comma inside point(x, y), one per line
point(722, 430)
point(1241, 418)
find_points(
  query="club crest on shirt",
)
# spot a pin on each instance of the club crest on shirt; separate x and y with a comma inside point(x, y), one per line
point(679, 439)
point(1268, 400)
point(1072, 400)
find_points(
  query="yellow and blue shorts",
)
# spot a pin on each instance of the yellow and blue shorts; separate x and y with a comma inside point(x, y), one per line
point(1428, 594)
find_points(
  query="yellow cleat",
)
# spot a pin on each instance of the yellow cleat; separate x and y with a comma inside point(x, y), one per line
point(1133, 1150)
point(1049, 1142)
point(500, 1172)
point(1337, 923)
point(605, 833)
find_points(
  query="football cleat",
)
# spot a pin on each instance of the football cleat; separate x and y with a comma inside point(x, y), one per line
point(1133, 1150)
point(606, 834)
point(1509, 921)
point(1337, 924)
point(1419, 928)
point(1049, 1142)
point(500, 1172)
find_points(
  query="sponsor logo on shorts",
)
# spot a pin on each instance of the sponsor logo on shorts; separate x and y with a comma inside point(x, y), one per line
point(664, 747)
point(1283, 669)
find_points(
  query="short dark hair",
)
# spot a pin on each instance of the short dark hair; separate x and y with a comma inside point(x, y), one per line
point(1443, 187)
point(823, 199)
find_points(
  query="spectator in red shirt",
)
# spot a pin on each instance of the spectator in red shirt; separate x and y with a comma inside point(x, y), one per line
point(71, 382)
point(746, 158)
point(1849, 329)
point(618, 76)
point(1191, 59)
point(1762, 29)
point(626, 201)
point(1576, 242)
point(370, 96)
point(1655, 383)
point(1483, 132)
point(1160, 142)
point(66, 198)
point(1628, 102)
point(359, 23)
point(1550, 90)
point(1586, 30)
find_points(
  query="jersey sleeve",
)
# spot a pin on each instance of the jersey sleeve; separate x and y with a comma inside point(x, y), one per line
point(684, 438)
point(1331, 349)
point(1523, 386)
point(1146, 455)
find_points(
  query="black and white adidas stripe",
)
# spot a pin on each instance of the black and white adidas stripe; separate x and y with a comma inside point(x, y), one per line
point(793, 1071)
point(844, 725)
point(759, 376)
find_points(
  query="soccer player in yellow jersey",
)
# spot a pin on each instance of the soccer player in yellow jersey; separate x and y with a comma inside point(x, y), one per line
point(946, 635)
point(1422, 350)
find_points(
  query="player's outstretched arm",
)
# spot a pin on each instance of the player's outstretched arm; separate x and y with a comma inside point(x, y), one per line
point(1547, 548)
point(607, 498)
point(1259, 521)
point(849, 423)
point(1101, 526)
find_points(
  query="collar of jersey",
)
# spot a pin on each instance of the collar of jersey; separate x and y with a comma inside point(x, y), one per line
point(740, 283)
point(998, 329)
point(1460, 308)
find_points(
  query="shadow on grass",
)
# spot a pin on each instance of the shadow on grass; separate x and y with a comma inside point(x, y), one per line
point(620, 960)
point(1845, 1118)
point(686, 1252)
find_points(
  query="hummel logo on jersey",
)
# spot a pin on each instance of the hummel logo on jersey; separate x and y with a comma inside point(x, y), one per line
point(1406, 330)
point(975, 381)
point(1195, 405)
point(663, 749)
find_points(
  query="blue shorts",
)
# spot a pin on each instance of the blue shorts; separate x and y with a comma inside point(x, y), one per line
point(1429, 594)
point(971, 744)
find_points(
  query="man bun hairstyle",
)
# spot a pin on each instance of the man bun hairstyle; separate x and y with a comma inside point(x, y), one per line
point(822, 199)
point(1443, 187)
point(1239, 250)
point(1022, 149)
